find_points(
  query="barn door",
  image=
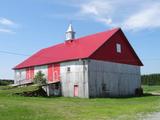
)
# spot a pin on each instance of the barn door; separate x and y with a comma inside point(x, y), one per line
point(50, 73)
point(56, 72)
point(76, 90)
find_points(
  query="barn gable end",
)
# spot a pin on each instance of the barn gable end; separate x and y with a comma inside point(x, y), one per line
point(108, 51)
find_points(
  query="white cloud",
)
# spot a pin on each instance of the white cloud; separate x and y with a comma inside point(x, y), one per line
point(6, 30)
point(128, 14)
point(97, 10)
point(107, 21)
point(145, 18)
point(5, 21)
point(6, 25)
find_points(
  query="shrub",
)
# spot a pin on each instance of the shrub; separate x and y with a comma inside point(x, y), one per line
point(40, 78)
point(139, 91)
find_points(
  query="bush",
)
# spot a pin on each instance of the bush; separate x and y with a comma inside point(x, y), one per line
point(40, 79)
point(139, 91)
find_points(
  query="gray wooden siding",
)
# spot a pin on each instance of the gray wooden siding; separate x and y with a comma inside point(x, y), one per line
point(94, 78)
point(78, 75)
point(20, 76)
point(112, 79)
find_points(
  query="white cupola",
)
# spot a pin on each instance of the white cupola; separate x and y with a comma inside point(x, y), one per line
point(70, 34)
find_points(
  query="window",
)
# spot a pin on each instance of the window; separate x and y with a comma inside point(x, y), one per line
point(118, 48)
point(68, 69)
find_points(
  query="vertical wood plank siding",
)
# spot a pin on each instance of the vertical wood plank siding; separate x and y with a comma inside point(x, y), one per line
point(27, 73)
point(94, 78)
point(50, 73)
point(30, 73)
point(112, 79)
point(77, 74)
point(56, 72)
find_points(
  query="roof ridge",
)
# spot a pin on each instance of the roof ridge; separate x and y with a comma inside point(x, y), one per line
point(85, 37)
point(98, 33)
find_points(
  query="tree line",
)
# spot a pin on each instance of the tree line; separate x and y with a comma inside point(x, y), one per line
point(5, 82)
point(150, 79)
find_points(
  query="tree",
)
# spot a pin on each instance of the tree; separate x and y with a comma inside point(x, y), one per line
point(151, 79)
point(40, 78)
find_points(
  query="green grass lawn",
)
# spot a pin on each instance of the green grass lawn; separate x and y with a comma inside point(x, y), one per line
point(150, 89)
point(13, 107)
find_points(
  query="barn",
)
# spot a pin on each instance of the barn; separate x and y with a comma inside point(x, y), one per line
point(99, 65)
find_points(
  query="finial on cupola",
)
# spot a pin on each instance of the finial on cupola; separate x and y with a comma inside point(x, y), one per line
point(70, 34)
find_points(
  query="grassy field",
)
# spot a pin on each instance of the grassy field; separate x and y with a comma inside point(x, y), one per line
point(150, 89)
point(13, 107)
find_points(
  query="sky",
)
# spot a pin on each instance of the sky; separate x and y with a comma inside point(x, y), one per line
point(27, 26)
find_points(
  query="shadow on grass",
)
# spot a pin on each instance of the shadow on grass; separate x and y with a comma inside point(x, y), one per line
point(149, 94)
point(144, 95)
point(126, 97)
point(33, 94)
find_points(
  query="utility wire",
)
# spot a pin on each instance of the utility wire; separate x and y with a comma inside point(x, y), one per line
point(13, 53)
point(20, 54)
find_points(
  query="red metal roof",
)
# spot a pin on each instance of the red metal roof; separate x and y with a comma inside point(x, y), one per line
point(79, 48)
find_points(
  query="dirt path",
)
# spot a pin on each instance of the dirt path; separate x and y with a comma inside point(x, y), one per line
point(156, 94)
point(154, 116)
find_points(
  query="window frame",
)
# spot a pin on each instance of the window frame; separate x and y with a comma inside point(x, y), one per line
point(118, 48)
point(68, 69)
